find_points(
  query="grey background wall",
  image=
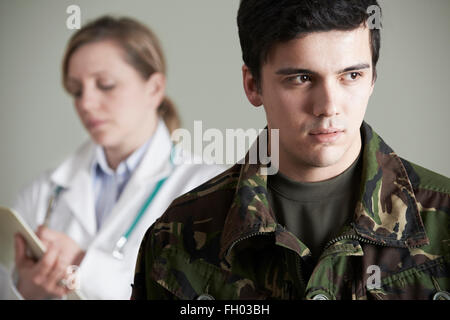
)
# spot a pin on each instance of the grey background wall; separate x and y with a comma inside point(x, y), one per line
point(39, 127)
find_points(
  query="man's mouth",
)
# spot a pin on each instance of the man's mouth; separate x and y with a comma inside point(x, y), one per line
point(326, 135)
point(325, 131)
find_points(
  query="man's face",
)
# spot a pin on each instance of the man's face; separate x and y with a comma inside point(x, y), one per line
point(315, 89)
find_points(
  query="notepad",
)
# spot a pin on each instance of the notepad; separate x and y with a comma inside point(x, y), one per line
point(10, 224)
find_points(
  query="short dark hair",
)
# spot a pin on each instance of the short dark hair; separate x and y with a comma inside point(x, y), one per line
point(264, 23)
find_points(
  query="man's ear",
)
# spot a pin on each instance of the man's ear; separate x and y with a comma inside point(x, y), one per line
point(156, 88)
point(251, 88)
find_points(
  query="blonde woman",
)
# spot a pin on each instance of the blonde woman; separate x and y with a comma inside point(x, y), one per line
point(92, 211)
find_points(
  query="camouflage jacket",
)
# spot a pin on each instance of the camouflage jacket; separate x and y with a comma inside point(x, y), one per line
point(222, 240)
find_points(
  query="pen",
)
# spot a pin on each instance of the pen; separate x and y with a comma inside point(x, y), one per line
point(51, 204)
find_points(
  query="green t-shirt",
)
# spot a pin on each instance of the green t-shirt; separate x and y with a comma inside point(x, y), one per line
point(315, 212)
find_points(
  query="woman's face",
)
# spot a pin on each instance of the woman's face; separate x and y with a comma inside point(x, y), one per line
point(115, 104)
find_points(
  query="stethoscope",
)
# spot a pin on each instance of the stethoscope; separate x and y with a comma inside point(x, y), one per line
point(118, 249)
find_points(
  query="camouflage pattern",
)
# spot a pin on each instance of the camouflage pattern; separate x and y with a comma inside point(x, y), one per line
point(223, 239)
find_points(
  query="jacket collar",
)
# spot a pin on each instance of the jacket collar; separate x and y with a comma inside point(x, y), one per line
point(386, 212)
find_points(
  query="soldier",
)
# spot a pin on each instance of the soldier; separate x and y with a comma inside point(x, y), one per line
point(344, 218)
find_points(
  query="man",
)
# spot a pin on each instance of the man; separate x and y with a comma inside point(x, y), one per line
point(344, 218)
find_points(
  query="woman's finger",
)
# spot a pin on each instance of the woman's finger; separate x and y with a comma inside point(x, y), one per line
point(45, 265)
point(56, 277)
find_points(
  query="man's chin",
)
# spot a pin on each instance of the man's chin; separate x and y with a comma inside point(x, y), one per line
point(323, 163)
point(323, 159)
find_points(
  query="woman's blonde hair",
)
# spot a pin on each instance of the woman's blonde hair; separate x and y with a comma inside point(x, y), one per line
point(142, 51)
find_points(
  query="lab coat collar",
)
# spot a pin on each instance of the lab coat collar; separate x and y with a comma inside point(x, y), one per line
point(155, 162)
point(74, 175)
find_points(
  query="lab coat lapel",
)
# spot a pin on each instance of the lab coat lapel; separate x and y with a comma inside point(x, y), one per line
point(154, 166)
point(78, 195)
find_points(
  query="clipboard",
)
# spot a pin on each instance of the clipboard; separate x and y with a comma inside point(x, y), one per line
point(12, 223)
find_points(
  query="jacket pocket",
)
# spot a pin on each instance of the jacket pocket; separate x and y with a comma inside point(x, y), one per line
point(190, 279)
point(421, 282)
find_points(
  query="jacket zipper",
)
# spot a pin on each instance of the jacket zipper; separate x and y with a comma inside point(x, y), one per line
point(299, 272)
point(352, 237)
point(358, 238)
point(259, 233)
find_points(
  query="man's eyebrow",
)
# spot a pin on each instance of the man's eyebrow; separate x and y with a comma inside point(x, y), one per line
point(289, 71)
point(359, 66)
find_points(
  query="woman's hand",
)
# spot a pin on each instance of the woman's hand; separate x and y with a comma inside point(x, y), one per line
point(68, 250)
point(42, 279)
point(39, 279)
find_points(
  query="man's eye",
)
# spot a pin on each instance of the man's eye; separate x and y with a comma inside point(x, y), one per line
point(352, 76)
point(300, 79)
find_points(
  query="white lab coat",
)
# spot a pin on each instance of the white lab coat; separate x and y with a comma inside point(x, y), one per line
point(101, 275)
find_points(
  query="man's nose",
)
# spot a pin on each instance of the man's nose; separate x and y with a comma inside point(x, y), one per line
point(326, 100)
